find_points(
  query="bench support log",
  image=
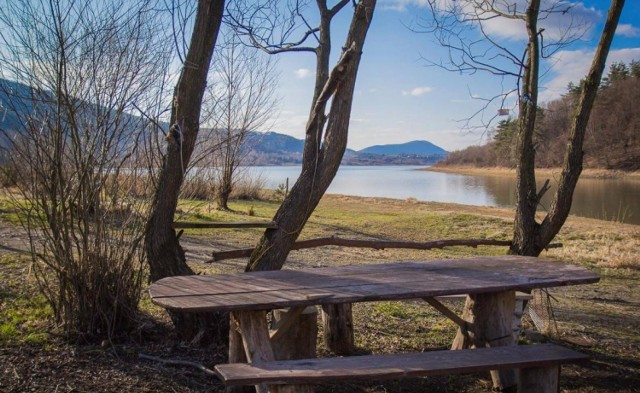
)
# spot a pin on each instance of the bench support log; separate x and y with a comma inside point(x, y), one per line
point(236, 354)
point(490, 324)
point(300, 338)
point(539, 379)
point(295, 338)
point(255, 337)
point(337, 324)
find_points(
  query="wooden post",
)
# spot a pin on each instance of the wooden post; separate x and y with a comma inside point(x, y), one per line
point(299, 341)
point(490, 317)
point(255, 337)
point(337, 322)
point(257, 346)
point(539, 380)
point(236, 354)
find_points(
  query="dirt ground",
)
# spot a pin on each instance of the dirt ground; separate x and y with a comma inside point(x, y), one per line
point(601, 320)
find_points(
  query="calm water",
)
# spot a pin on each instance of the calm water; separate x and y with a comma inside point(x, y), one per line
point(611, 199)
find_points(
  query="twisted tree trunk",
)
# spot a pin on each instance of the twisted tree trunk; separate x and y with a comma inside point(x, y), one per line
point(165, 255)
point(322, 156)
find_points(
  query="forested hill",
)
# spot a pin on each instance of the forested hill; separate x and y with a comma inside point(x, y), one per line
point(272, 148)
point(413, 147)
point(612, 139)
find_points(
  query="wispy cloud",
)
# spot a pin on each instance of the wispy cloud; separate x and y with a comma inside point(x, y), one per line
point(571, 66)
point(628, 30)
point(302, 73)
point(417, 91)
point(559, 18)
point(401, 5)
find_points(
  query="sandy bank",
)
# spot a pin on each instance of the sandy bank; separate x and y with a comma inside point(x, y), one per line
point(549, 172)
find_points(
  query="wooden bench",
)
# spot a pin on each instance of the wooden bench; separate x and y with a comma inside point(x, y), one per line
point(539, 367)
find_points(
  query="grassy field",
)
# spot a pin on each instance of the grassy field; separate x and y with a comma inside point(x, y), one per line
point(600, 319)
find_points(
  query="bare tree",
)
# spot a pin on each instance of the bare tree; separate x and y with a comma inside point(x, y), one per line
point(530, 237)
point(242, 97)
point(326, 133)
point(488, 54)
point(452, 24)
point(77, 71)
point(165, 255)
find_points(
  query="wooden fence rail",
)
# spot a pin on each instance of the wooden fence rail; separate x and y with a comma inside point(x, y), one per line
point(375, 244)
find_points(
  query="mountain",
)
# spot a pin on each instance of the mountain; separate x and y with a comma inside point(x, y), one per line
point(418, 148)
point(272, 148)
point(261, 148)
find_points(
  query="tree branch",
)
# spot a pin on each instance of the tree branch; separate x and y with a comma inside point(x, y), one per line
point(176, 362)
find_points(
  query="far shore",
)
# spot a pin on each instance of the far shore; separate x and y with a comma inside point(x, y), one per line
point(551, 172)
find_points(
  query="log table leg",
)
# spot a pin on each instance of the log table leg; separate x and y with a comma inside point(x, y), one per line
point(337, 323)
point(490, 317)
point(257, 346)
point(236, 353)
point(539, 380)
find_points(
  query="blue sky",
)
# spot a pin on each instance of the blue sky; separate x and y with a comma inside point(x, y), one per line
point(399, 99)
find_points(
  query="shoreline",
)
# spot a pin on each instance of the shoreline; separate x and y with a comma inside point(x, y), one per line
point(452, 207)
point(551, 172)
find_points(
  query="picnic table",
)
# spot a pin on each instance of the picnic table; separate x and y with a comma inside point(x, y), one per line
point(490, 281)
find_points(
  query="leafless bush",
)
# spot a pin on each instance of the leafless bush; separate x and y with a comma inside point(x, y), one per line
point(80, 70)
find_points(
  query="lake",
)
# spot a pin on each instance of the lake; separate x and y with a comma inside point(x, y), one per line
point(609, 199)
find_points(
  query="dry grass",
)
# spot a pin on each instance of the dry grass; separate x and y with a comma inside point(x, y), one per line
point(599, 319)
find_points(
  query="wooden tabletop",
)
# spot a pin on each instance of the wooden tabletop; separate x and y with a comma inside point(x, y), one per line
point(359, 283)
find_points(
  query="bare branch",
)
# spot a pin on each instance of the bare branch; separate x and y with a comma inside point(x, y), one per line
point(263, 25)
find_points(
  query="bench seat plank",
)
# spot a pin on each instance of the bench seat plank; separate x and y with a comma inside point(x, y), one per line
point(374, 367)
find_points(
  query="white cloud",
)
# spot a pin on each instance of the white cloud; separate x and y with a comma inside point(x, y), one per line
point(401, 5)
point(417, 91)
point(571, 66)
point(557, 17)
point(560, 20)
point(302, 73)
point(628, 30)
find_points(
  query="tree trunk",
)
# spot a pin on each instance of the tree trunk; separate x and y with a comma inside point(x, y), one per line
point(525, 231)
point(531, 237)
point(222, 197)
point(320, 161)
point(164, 253)
point(572, 165)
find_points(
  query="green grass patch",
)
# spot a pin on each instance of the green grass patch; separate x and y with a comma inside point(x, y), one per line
point(24, 313)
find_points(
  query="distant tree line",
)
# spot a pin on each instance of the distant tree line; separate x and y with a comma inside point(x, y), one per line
point(612, 140)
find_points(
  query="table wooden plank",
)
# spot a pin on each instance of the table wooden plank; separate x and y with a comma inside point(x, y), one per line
point(359, 283)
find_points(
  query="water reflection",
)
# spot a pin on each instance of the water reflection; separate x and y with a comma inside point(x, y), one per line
point(610, 199)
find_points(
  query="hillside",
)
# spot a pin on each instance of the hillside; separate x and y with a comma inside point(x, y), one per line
point(419, 148)
point(272, 148)
point(260, 148)
point(612, 140)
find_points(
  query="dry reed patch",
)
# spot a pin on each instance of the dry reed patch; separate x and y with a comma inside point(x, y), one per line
point(600, 243)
